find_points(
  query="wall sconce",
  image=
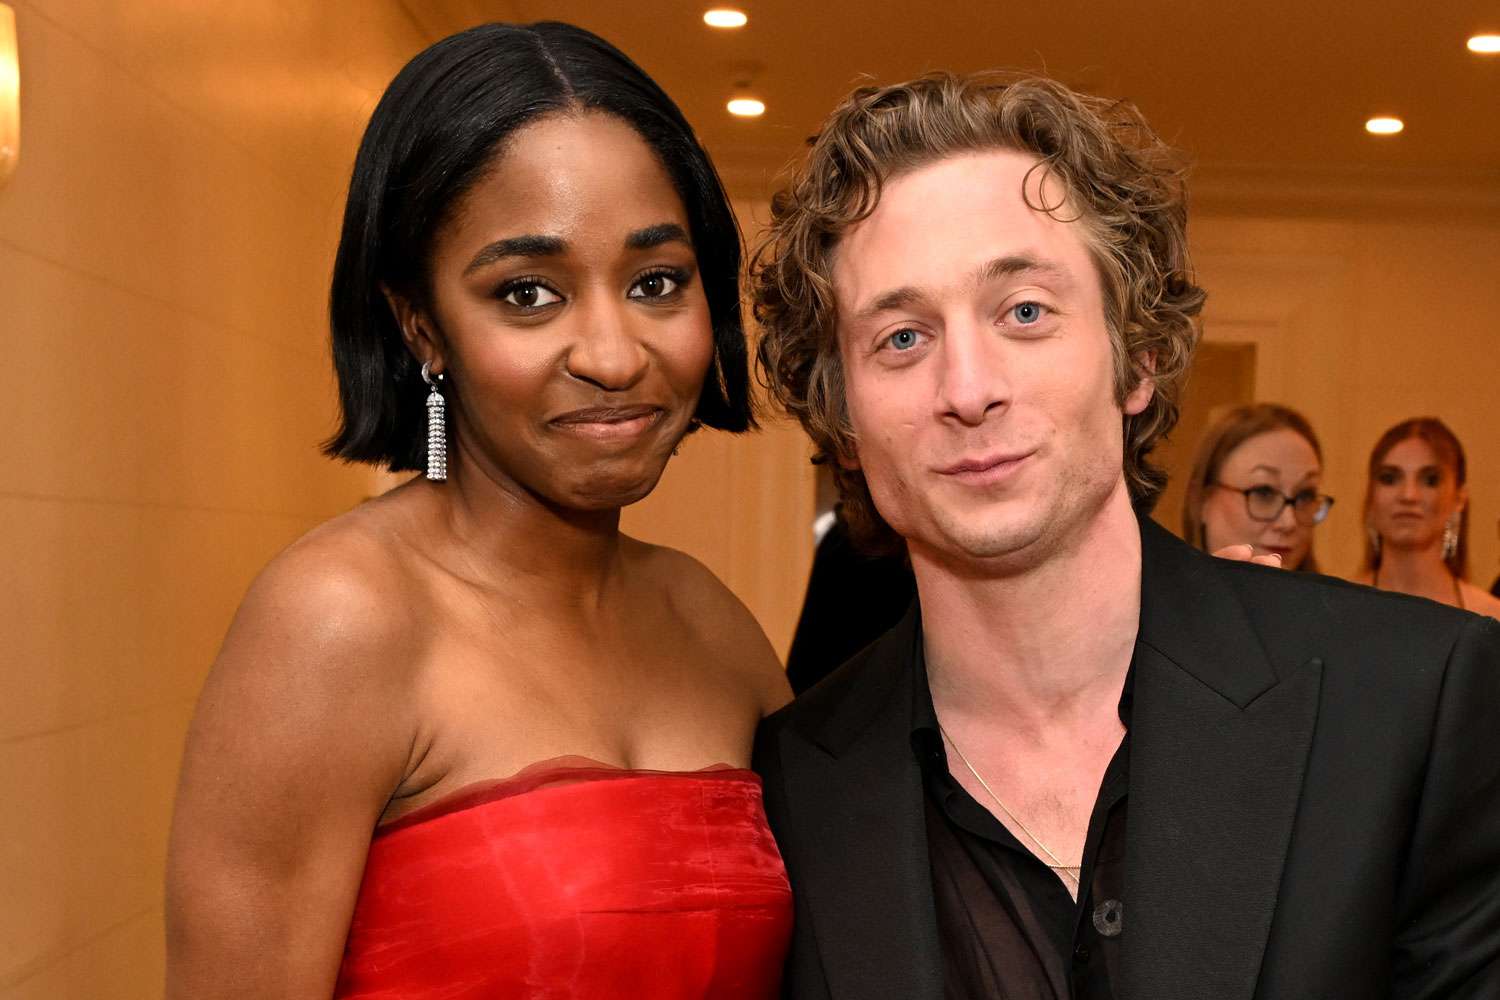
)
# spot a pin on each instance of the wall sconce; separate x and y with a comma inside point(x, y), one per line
point(10, 95)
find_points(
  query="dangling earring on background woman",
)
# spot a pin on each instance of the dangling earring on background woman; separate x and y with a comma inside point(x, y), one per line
point(1450, 537)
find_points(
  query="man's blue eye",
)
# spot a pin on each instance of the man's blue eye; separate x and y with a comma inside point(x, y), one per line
point(1027, 312)
point(904, 340)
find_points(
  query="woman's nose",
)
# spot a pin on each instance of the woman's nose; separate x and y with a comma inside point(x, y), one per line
point(606, 353)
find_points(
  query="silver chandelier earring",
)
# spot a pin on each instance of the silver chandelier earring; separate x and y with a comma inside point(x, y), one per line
point(437, 427)
point(1450, 538)
point(1374, 541)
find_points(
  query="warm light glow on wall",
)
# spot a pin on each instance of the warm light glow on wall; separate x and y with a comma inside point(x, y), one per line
point(1485, 45)
point(1384, 126)
point(10, 95)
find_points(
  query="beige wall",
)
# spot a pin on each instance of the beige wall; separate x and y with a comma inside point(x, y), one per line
point(164, 253)
point(1361, 322)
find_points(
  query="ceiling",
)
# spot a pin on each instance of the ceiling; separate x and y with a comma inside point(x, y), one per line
point(1262, 93)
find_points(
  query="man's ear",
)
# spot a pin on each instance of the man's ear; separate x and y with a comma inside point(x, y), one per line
point(845, 453)
point(1137, 398)
point(417, 329)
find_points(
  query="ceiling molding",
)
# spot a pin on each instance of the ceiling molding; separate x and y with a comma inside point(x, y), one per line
point(752, 174)
point(1341, 192)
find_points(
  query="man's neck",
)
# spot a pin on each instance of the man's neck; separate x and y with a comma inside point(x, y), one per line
point(1042, 646)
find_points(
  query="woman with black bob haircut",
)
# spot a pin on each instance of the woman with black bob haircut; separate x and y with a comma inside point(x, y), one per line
point(437, 129)
point(468, 740)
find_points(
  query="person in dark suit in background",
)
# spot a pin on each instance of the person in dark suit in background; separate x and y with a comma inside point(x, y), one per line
point(853, 598)
point(1091, 761)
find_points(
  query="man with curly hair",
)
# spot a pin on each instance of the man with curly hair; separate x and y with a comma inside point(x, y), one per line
point(975, 295)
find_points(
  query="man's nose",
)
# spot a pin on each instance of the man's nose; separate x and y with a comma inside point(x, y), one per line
point(606, 352)
point(974, 374)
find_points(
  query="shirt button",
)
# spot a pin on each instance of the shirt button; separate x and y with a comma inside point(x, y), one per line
point(1081, 953)
point(1109, 918)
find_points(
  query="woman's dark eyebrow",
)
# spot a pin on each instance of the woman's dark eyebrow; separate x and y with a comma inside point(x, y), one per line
point(655, 236)
point(517, 246)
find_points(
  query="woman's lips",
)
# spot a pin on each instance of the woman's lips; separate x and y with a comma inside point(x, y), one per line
point(609, 423)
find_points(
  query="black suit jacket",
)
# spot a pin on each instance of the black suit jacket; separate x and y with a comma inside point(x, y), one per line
point(1314, 799)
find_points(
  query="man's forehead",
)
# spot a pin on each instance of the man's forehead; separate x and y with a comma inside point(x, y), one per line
point(974, 216)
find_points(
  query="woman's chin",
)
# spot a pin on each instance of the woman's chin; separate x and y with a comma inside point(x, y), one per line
point(612, 489)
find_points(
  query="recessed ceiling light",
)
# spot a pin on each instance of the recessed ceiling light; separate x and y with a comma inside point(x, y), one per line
point(1485, 45)
point(746, 107)
point(725, 17)
point(1384, 126)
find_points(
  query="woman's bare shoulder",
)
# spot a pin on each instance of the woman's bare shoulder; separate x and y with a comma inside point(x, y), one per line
point(1480, 602)
point(718, 618)
point(339, 597)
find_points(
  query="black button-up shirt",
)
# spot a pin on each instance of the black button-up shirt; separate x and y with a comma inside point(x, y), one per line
point(1009, 928)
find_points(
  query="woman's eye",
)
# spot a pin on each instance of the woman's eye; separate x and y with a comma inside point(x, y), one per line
point(655, 286)
point(1432, 479)
point(1264, 493)
point(1386, 479)
point(1027, 313)
point(529, 295)
point(904, 340)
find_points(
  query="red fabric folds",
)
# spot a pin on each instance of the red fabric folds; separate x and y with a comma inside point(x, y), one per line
point(575, 879)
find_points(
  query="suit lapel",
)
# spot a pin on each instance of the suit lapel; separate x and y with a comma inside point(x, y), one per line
point(1219, 742)
point(868, 883)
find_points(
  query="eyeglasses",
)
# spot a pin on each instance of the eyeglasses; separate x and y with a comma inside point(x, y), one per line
point(1265, 503)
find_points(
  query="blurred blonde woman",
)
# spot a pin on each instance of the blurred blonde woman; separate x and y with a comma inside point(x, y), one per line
point(1416, 517)
point(1256, 481)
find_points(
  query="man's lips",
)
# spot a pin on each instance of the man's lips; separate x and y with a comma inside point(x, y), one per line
point(985, 467)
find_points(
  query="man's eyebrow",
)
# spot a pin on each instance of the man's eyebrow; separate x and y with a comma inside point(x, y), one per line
point(517, 246)
point(896, 298)
point(1020, 263)
point(1001, 267)
point(655, 236)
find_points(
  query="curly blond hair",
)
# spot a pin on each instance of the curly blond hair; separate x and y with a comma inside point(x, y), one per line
point(1122, 183)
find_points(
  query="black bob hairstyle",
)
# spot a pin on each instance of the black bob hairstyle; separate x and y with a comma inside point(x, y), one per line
point(432, 137)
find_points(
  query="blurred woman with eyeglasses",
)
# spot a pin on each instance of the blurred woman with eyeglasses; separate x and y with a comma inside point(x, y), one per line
point(1255, 482)
point(1417, 517)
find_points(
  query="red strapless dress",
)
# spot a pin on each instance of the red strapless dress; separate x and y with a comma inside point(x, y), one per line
point(575, 879)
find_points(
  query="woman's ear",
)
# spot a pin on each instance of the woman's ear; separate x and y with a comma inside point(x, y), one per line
point(417, 329)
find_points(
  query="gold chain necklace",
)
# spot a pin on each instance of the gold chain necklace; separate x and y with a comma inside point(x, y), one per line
point(1072, 872)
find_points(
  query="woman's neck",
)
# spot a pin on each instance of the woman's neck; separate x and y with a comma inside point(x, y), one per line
point(1419, 571)
point(498, 535)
